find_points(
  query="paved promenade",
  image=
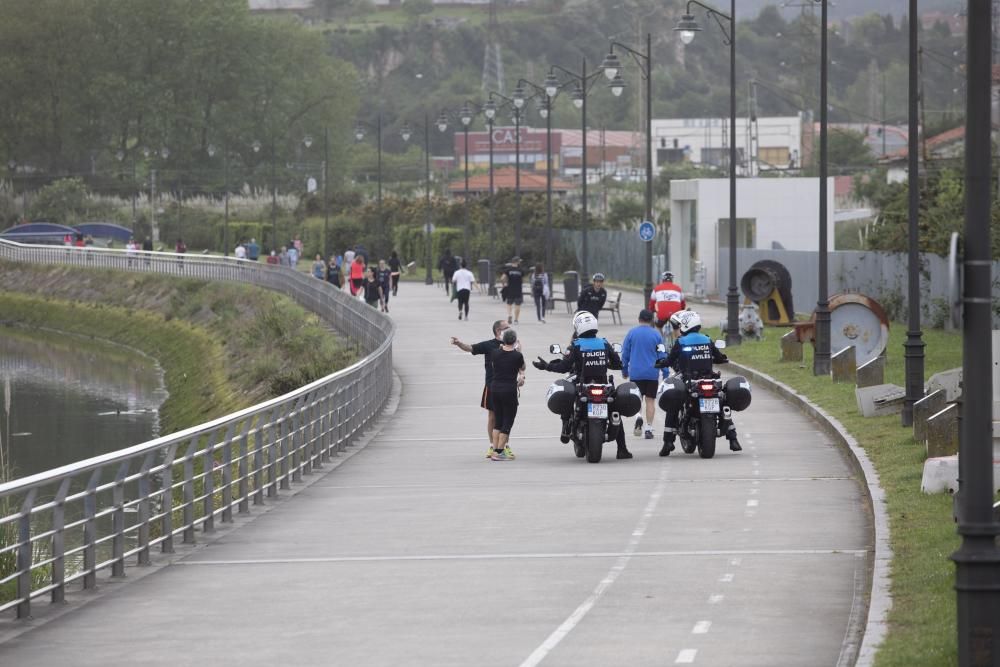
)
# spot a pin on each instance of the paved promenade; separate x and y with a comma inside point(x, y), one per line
point(419, 551)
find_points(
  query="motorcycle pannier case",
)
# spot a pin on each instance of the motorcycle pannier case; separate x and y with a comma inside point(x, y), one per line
point(560, 397)
point(671, 394)
point(628, 399)
point(737, 393)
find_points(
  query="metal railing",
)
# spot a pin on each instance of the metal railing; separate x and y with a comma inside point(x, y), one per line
point(106, 511)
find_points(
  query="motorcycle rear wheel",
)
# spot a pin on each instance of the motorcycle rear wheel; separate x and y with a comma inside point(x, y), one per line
point(596, 428)
point(706, 445)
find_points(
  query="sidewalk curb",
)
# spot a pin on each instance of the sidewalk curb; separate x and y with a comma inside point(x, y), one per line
point(863, 639)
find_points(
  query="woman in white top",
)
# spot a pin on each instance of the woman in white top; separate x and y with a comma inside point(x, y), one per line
point(463, 280)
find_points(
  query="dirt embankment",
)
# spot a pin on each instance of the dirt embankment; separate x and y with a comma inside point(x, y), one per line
point(222, 346)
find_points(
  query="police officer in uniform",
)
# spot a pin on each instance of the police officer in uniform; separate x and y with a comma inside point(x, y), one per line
point(692, 357)
point(593, 297)
point(589, 357)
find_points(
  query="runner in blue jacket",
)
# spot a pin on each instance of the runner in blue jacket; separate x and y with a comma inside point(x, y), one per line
point(642, 347)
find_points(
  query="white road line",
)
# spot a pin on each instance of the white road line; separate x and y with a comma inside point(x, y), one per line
point(580, 612)
point(701, 627)
point(754, 492)
point(516, 556)
point(753, 502)
point(686, 657)
point(736, 562)
point(727, 578)
point(716, 599)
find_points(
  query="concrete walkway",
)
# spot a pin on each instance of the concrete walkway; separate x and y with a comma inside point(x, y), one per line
point(419, 551)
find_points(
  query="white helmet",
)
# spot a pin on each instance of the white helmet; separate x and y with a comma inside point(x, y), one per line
point(675, 319)
point(584, 322)
point(689, 321)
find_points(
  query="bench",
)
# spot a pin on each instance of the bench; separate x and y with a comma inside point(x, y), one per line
point(559, 296)
point(614, 306)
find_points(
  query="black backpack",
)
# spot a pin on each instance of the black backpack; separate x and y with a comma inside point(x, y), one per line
point(537, 287)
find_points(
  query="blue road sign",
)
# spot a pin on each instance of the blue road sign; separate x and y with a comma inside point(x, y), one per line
point(647, 230)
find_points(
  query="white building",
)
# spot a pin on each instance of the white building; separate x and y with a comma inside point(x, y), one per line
point(770, 213)
point(772, 143)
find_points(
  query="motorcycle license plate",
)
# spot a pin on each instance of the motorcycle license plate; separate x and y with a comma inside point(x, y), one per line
point(708, 404)
point(597, 410)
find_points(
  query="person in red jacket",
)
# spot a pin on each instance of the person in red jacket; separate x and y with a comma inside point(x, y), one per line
point(667, 298)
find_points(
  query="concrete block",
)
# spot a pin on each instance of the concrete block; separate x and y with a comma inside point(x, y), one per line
point(942, 432)
point(930, 404)
point(949, 381)
point(791, 348)
point(844, 365)
point(941, 475)
point(882, 399)
point(871, 373)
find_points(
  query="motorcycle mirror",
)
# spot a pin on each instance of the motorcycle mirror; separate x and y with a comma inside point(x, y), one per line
point(555, 349)
point(617, 347)
point(661, 347)
point(720, 344)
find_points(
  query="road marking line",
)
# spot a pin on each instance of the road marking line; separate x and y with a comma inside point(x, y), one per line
point(727, 578)
point(736, 562)
point(701, 627)
point(716, 599)
point(686, 657)
point(581, 611)
point(753, 502)
point(754, 492)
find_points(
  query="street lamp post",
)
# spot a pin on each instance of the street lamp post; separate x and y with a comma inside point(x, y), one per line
point(687, 27)
point(490, 111)
point(547, 93)
point(821, 356)
point(120, 155)
point(517, 103)
point(465, 116)
point(225, 190)
point(359, 134)
point(406, 133)
point(613, 71)
point(583, 81)
point(914, 346)
point(977, 561)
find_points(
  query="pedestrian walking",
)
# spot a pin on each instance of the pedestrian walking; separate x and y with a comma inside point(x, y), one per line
point(319, 267)
point(508, 377)
point(395, 268)
point(486, 348)
point(372, 290)
point(540, 291)
point(357, 274)
point(642, 347)
point(283, 257)
point(463, 281)
point(447, 266)
point(513, 281)
point(240, 251)
point(253, 250)
point(384, 277)
point(333, 273)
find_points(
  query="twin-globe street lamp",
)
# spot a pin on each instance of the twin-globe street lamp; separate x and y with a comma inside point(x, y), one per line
point(406, 132)
point(544, 110)
point(359, 135)
point(688, 28)
point(613, 71)
point(465, 116)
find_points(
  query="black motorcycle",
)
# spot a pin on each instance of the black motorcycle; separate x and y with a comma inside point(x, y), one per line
point(592, 412)
point(705, 405)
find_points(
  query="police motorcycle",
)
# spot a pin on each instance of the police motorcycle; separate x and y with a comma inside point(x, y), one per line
point(592, 411)
point(706, 404)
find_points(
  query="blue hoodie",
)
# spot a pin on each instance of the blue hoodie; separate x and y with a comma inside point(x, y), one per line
point(639, 353)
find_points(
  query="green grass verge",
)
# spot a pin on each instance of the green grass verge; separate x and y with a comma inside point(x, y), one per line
point(922, 623)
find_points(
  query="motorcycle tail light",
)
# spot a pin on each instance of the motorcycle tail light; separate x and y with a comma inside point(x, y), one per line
point(707, 388)
point(597, 391)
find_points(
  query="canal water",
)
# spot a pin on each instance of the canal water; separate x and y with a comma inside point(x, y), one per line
point(72, 398)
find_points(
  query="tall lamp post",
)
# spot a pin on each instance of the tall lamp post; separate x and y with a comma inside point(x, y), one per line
point(120, 156)
point(821, 356)
point(914, 346)
point(548, 93)
point(517, 103)
point(583, 82)
point(977, 561)
point(613, 71)
point(359, 135)
point(688, 27)
point(406, 133)
point(490, 111)
point(465, 116)
point(225, 189)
